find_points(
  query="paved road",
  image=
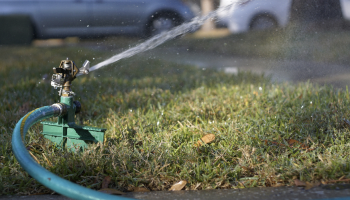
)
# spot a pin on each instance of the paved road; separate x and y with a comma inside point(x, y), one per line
point(285, 193)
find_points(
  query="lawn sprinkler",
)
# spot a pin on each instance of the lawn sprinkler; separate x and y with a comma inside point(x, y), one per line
point(65, 132)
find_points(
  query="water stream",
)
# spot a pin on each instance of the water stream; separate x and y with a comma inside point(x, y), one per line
point(165, 36)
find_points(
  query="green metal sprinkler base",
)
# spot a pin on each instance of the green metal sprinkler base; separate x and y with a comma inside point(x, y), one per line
point(66, 134)
point(72, 136)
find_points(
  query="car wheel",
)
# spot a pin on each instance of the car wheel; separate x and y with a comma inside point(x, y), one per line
point(162, 23)
point(262, 22)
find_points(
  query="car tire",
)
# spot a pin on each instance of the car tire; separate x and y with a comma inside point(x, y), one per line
point(263, 22)
point(162, 22)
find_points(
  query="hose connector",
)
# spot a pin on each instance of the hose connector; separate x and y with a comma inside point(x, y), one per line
point(60, 109)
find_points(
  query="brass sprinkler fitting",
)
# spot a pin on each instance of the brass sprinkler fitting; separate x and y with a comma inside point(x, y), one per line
point(65, 74)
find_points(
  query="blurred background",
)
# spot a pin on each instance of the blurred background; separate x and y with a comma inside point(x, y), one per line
point(24, 21)
point(292, 40)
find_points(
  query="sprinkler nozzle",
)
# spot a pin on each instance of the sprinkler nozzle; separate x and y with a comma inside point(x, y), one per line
point(85, 69)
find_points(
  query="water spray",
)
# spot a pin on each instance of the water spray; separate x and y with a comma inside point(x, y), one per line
point(159, 39)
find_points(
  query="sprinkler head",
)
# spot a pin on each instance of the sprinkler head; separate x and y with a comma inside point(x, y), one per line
point(65, 73)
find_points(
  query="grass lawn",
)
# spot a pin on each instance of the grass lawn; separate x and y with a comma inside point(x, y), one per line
point(156, 112)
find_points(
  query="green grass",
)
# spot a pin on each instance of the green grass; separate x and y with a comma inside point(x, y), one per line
point(156, 111)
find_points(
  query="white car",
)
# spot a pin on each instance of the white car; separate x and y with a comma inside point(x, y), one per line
point(245, 15)
point(345, 6)
point(86, 18)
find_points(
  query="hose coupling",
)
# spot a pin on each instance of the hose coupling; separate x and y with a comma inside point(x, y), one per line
point(60, 109)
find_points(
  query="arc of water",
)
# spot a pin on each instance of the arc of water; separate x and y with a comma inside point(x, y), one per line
point(157, 40)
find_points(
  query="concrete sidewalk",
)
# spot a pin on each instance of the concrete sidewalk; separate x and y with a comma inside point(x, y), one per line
point(341, 191)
